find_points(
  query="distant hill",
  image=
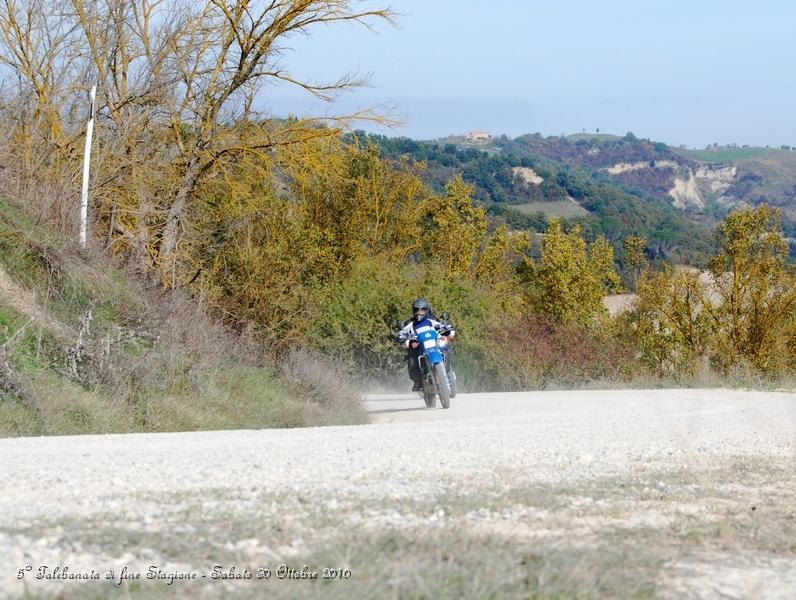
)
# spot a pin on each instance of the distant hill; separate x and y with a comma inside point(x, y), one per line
point(704, 184)
point(612, 185)
point(523, 184)
point(758, 175)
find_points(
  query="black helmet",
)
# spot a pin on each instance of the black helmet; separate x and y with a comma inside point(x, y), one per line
point(419, 304)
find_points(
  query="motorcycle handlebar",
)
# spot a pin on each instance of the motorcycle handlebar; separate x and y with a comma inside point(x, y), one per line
point(444, 331)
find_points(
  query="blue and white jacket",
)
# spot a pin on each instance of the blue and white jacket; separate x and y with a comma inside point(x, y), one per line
point(412, 328)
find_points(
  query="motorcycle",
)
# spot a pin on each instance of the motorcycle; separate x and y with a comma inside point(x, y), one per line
point(439, 378)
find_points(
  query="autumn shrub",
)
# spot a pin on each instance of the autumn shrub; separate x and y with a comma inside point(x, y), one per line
point(278, 248)
point(353, 321)
point(48, 192)
point(487, 300)
point(538, 352)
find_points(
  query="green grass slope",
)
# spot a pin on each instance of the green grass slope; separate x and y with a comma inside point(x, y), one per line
point(87, 348)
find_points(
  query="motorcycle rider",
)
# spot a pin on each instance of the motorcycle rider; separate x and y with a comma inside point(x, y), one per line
point(422, 315)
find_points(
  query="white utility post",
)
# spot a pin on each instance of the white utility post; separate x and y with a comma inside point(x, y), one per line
point(86, 160)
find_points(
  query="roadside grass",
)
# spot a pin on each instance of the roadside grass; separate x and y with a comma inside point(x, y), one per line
point(443, 564)
point(237, 397)
point(231, 396)
point(739, 378)
point(436, 565)
point(156, 394)
point(22, 262)
point(87, 347)
point(618, 536)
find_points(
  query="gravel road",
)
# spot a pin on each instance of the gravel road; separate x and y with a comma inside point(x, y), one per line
point(693, 490)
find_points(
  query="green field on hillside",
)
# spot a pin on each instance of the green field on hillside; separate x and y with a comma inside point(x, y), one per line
point(727, 154)
point(556, 208)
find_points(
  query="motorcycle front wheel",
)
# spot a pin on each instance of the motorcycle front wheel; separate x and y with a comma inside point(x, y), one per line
point(430, 398)
point(441, 383)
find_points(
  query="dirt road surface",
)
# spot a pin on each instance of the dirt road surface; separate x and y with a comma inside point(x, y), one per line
point(664, 493)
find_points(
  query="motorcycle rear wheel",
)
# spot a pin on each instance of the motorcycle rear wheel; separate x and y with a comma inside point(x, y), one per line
point(452, 383)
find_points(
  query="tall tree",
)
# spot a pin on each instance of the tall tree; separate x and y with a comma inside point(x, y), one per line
point(742, 311)
point(755, 294)
point(455, 229)
point(177, 89)
point(570, 279)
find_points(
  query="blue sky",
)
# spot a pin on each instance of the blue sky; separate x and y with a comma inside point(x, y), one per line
point(680, 72)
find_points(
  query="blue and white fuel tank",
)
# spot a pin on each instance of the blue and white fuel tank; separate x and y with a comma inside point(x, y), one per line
point(430, 340)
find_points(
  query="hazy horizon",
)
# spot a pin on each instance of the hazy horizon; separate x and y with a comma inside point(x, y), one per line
point(716, 72)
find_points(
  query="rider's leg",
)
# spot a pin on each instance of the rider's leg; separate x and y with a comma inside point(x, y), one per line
point(414, 369)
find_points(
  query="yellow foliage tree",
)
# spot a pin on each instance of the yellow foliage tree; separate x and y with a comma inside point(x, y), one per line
point(741, 311)
point(570, 279)
point(496, 267)
point(455, 229)
point(352, 204)
point(756, 295)
point(670, 324)
point(275, 238)
point(249, 253)
point(635, 257)
point(176, 98)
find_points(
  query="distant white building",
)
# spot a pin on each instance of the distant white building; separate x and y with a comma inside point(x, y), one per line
point(477, 136)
